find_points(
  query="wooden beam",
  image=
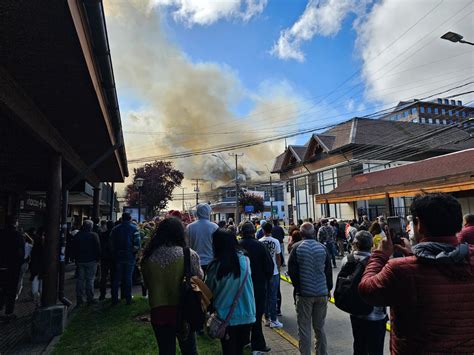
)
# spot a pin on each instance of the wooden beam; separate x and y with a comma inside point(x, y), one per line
point(30, 117)
point(80, 22)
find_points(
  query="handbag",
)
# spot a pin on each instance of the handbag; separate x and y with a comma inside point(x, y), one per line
point(195, 297)
point(216, 327)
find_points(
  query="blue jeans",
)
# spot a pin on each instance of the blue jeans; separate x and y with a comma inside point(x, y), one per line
point(123, 277)
point(271, 303)
point(331, 248)
point(85, 275)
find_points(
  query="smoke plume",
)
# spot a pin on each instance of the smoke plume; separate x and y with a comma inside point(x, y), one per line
point(186, 102)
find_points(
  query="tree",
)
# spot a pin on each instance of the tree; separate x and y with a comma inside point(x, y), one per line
point(250, 199)
point(160, 180)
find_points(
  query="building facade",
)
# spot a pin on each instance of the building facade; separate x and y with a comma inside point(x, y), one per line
point(354, 147)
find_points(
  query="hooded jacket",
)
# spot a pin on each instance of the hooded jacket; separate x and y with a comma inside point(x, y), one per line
point(429, 294)
point(200, 234)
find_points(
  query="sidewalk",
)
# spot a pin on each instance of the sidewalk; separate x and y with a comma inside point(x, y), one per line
point(280, 342)
point(16, 335)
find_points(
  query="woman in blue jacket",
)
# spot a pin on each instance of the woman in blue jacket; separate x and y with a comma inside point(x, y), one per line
point(225, 275)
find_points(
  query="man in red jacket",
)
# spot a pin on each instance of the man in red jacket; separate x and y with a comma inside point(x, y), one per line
point(430, 293)
point(466, 235)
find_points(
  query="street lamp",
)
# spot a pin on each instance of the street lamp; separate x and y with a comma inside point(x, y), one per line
point(139, 184)
point(455, 37)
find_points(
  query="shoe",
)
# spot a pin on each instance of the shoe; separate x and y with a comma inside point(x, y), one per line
point(267, 322)
point(276, 324)
point(261, 351)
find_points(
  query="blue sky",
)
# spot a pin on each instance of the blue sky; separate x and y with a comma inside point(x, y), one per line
point(192, 70)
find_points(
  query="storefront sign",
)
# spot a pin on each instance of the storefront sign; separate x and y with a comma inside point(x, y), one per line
point(33, 203)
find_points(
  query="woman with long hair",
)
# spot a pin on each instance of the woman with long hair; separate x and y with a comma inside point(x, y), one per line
point(226, 275)
point(163, 271)
point(376, 230)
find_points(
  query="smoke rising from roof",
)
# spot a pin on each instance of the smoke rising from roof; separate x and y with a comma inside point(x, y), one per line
point(187, 102)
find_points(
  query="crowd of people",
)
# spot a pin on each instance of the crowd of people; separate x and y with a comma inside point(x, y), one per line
point(426, 278)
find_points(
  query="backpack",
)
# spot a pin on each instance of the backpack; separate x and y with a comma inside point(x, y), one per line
point(195, 297)
point(346, 294)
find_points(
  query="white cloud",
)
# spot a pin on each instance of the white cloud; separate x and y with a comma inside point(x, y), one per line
point(206, 12)
point(419, 62)
point(323, 18)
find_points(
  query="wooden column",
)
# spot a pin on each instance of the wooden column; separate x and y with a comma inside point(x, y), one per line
point(388, 205)
point(51, 245)
point(96, 203)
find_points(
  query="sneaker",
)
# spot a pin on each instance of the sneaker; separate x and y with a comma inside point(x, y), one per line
point(261, 351)
point(276, 324)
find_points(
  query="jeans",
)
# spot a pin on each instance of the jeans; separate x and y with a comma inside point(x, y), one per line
point(258, 339)
point(85, 275)
point(8, 286)
point(23, 270)
point(123, 277)
point(331, 248)
point(166, 338)
point(282, 248)
point(237, 336)
point(311, 311)
point(271, 303)
point(106, 269)
point(369, 336)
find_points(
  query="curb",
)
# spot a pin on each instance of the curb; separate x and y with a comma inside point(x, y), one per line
point(286, 278)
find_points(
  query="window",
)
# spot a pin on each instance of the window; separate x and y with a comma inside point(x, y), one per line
point(429, 109)
point(422, 109)
point(464, 114)
point(444, 122)
point(313, 184)
point(399, 116)
point(422, 120)
point(413, 111)
point(282, 208)
point(446, 101)
point(436, 111)
point(456, 113)
point(415, 120)
point(430, 120)
point(405, 113)
point(437, 121)
point(327, 181)
point(440, 101)
point(443, 111)
point(450, 112)
point(357, 169)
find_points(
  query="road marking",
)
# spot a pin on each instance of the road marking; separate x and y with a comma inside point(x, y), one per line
point(331, 299)
point(287, 337)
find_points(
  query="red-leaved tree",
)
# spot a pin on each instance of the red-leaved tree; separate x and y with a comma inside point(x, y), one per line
point(160, 180)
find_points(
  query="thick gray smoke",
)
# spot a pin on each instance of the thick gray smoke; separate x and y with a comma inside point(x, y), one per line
point(186, 102)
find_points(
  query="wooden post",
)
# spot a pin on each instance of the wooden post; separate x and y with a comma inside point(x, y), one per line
point(51, 245)
point(95, 203)
point(388, 205)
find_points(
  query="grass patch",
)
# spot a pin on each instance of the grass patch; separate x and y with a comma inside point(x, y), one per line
point(107, 329)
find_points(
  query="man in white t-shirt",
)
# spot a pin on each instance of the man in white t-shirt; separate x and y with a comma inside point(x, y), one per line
point(273, 247)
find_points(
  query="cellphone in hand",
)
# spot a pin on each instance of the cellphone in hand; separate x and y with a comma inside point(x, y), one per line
point(395, 226)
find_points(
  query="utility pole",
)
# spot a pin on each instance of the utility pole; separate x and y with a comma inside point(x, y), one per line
point(183, 188)
point(196, 189)
point(271, 198)
point(237, 219)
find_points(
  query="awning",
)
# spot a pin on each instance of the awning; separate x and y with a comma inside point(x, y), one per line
point(447, 173)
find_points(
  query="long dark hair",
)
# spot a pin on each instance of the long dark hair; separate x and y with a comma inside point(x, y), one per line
point(169, 232)
point(226, 258)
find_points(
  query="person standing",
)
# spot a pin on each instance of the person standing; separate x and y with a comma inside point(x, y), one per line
point(279, 234)
point(106, 259)
point(368, 330)
point(87, 255)
point(309, 267)
point(429, 291)
point(229, 278)
point(260, 232)
point(261, 264)
point(125, 245)
point(12, 253)
point(466, 235)
point(326, 236)
point(163, 272)
point(199, 235)
point(273, 247)
point(376, 232)
point(37, 266)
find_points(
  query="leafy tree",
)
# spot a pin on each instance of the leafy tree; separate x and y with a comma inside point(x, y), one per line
point(160, 180)
point(250, 199)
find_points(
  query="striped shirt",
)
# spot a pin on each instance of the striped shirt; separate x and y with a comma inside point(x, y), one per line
point(311, 258)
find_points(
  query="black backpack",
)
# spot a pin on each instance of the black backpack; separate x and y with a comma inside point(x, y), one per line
point(346, 294)
point(192, 317)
